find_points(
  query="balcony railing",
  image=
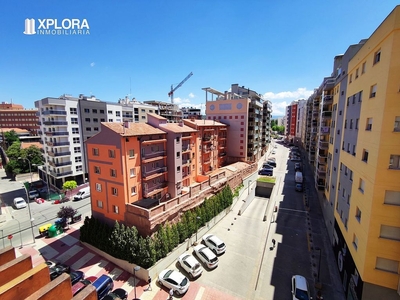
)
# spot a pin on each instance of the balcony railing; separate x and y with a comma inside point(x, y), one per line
point(323, 145)
point(57, 144)
point(147, 191)
point(159, 170)
point(57, 154)
point(60, 174)
point(60, 164)
point(56, 133)
point(327, 114)
point(206, 138)
point(325, 129)
point(328, 99)
point(153, 154)
point(54, 112)
point(186, 161)
point(55, 123)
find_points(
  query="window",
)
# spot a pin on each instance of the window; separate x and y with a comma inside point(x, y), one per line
point(115, 209)
point(76, 140)
point(390, 232)
point(132, 172)
point(178, 169)
point(78, 168)
point(133, 190)
point(95, 120)
point(355, 241)
point(74, 120)
point(397, 124)
point(131, 153)
point(345, 123)
point(341, 166)
point(75, 130)
point(387, 265)
point(351, 123)
point(356, 73)
point(98, 187)
point(178, 139)
point(377, 56)
point(118, 113)
point(354, 150)
point(87, 120)
point(77, 149)
point(351, 78)
point(88, 129)
point(95, 151)
point(96, 128)
point(110, 112)
point(343, 192)
point(394, 162)
point(345, 171)
point(73, 111)
point(372, 93)
point(102, 120)
point(99, 204)
point(110, 120)
point(97, 170)
point(358, 215)
point(356, 123)
point(111, 153)
point(363, 67)
point(365, 156)
point(114, 191)
point(178, 154)
point(94, 111)
point(113, 173)
point(351, 175)
point(78, 159)
point(369, 124)
point(361, 186)
point(392, 198)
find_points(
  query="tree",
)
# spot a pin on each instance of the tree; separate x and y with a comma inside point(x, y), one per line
point(11, 137)
point(66, 212)
point(69, 185)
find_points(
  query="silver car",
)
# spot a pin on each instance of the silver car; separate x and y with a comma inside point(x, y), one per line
point(190, 265)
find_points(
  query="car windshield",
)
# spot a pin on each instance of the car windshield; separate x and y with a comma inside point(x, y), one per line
point(301, 294)
point(195, 267)
point(184, 282)
point(214, 259)
point(221, 245)
point(167, 274)
point(20, 201)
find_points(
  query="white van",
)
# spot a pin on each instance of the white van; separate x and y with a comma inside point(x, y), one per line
point(82, 194)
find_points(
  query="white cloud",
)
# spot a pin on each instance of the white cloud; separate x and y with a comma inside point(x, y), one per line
point(92, 64)
point(282, 99)
point(191, 95)
point(300, 93)
point(181, 102)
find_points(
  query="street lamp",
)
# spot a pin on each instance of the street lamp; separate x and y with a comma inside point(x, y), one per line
point(135, 269)
point(20, 232)
point(319, 263)
point(27, 195)
point(248, 186)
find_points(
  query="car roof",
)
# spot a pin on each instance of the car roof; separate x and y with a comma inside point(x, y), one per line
point(189, 259)
point(207, 252)
point(301, 282)
point(19, 199)
point(176, 276)
point(214, 238)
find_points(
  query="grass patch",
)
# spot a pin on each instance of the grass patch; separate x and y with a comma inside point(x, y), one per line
point(268, 179)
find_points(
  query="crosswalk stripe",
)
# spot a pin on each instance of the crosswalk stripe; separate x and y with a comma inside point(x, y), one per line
point(45, 250)
point(82, 261)
point(69, 253)
point(114, 274)
point(199, 293)
point(93, 271)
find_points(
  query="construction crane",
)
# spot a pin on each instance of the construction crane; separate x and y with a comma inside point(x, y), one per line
point(171, 93)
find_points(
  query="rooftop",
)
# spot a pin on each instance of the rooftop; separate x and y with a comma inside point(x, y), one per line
point(132, 129)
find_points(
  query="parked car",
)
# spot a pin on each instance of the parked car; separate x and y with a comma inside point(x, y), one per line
point(76, 276)
point(206, 256)
point(19, 203)
point(57, 270)
point(268, 165)
point(267, 172)
point(299, 187)
point(117, 294)
point(175, 280)
point(82, 194)
point(79, 286)
point(297, 167)
point(295, 158)
point(271, 162)
point(300, 289)
point(190, 265)
point(103, 285)
point(214, 243)
point(33, 194)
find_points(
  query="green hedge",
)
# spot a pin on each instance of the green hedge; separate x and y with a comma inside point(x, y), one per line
point(125, 242)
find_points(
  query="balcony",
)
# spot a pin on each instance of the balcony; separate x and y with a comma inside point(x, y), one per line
point(60, 164)
point(206, 138)
point(57, 144)
point(186, 162)
point(323, 145)
point(325, 130)
point(321, 171)
point(58, 154)
point(328, 99)
point(222, 137)
point(206, 160)
point(56, 133)
point(322, 159)
point(155, 155)
point(154, 189)
point(150, 174)
point(54, 112)
point(186, 149)
point(326, 114)
point(54, 123)
point(60, 174)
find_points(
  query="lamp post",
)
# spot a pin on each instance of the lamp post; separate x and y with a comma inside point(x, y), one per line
point(135, 269)
point(248, 186)
point(319, 263)
point(20, 232)
point(27, 195)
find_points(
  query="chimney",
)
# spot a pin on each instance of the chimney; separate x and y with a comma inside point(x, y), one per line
point(126, 124)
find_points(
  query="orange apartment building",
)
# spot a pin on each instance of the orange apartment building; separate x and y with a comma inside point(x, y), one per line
point(16, 116)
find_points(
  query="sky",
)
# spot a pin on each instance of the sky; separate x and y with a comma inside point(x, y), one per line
point(139, 48)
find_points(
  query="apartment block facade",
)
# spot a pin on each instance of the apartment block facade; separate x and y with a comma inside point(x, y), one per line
point(16, 116)
point(353, 145)
point(248, 116)
point(66, 122)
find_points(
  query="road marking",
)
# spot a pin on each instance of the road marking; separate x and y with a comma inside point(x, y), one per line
point(289, 209)
point(45, 250)
point(308, 242)
point(129, 285)
point(67, 239)
point(199, 293)
point(114, 274)
point(69, 253)
point(82, 261)
point(96, 268)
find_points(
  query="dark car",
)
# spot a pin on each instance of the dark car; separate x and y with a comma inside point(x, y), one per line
point(57, 270)
point(271, 163)
point(267, 172)
point(117, 294)
point(267, 165)
point(299, 187)
point(76, 276)
point(79, 286)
